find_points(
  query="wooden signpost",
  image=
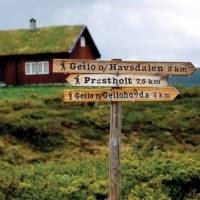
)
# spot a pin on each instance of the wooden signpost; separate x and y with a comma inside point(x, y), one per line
point(123, 81)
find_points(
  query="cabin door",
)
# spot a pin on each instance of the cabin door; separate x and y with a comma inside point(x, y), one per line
point(1, 72)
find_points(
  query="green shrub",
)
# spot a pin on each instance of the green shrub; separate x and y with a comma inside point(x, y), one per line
point(166, 176)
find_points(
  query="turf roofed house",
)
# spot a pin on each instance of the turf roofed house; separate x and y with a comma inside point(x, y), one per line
point(26, 55)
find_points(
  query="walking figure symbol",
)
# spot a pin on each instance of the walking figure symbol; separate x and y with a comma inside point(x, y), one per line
point(63, 66)
point(77, 80)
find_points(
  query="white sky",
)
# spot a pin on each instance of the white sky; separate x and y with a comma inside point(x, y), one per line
point(163, 30)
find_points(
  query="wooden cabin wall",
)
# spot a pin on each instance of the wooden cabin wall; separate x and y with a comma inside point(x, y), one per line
point(15, 67)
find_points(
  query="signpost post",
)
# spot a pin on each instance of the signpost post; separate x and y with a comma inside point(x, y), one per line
point(124, 81)
point(114, 151)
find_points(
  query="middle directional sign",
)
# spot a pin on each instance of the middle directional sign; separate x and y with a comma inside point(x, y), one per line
point(116, 80)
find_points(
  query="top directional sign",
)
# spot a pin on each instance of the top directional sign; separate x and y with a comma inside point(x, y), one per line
point(122, 67)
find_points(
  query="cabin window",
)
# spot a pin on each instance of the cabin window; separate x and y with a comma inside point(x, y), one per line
point(39, 68)
point(83, 42)
point(30, 68)
point(43, 67)
point(33, 68)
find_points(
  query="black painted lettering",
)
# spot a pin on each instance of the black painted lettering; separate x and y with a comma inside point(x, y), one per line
point(79, 67)
point(112, 67)
point(137, 67)
point(160, 69)
point(153, 68)
point(92, 67)
point(87, 79)
point(72, 66)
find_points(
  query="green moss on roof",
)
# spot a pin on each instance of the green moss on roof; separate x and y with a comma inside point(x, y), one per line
point(53, 39)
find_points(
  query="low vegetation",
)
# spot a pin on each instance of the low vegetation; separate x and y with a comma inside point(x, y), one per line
point(52, 150)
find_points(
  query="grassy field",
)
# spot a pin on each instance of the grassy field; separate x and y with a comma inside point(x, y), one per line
point(52, 150)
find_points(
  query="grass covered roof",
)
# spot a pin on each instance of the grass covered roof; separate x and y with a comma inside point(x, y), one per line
point(52, 39)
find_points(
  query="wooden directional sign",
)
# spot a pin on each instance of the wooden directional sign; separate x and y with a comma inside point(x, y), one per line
point(121, 94)
point(114, 80)
point(122, 67)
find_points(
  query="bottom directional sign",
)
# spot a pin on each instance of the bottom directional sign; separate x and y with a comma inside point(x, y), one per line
point(121, 94)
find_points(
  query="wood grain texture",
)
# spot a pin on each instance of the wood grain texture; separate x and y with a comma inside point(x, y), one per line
point(77, 66)
point(142, 94)
point(115, 146)
point(116, 80)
